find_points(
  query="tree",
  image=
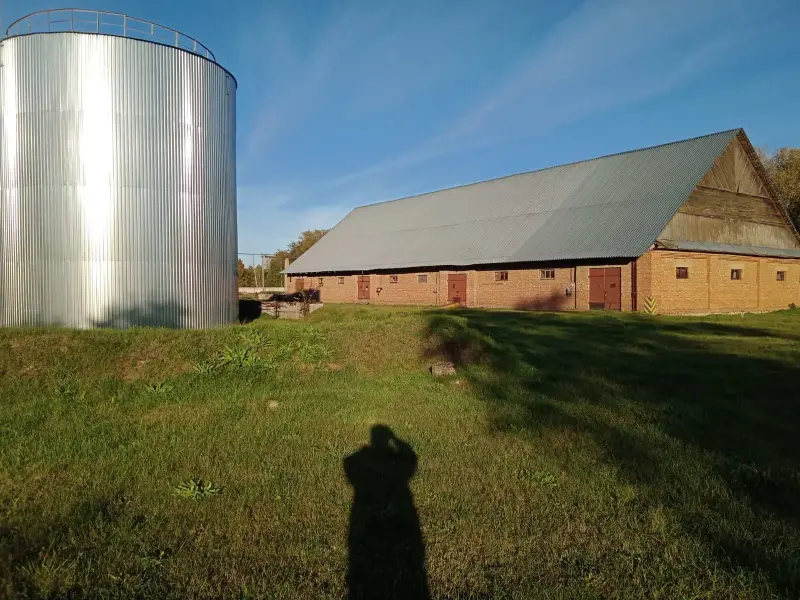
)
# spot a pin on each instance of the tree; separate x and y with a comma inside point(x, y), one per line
point(274, 275)
point(304, 241)
point(246, 276)
point(783, 168)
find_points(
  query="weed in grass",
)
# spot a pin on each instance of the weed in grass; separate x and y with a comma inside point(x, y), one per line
point(68, 390)
point(545, 478)
point(203, 367)
point(253, 339)
point(239, 358)
point(159, 387)
point(310, 346)
point(197, 489)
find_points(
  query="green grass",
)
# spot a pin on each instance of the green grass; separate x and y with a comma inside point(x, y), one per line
point(571, 456)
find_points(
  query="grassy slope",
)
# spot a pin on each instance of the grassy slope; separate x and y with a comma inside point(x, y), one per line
point(583, 455)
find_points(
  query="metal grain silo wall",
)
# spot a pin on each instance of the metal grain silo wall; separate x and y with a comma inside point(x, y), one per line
point(118, 184)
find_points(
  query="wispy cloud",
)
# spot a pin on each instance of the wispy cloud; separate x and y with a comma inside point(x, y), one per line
point(604, 55)
point(440, 81)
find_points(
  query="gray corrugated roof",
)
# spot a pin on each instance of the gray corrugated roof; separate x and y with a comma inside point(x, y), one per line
point(729, 249)
point(609, 207)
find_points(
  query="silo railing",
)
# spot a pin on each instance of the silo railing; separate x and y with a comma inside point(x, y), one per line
point(108, 23)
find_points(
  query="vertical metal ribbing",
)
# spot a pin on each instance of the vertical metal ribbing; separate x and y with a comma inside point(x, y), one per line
point(116, 160)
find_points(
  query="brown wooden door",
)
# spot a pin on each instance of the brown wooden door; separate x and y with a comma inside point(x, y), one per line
point(363, 287)
point(299, 284)
point(605, 288)
point(597, 288)
point(457, 288)
point(614, 288)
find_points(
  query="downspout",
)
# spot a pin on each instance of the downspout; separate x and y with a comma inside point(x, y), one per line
point(575, 288)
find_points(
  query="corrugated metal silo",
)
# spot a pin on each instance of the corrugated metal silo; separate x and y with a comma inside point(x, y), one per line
point(118, 175)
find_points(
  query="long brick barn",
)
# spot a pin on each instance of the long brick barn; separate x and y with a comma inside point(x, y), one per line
point(688, 227)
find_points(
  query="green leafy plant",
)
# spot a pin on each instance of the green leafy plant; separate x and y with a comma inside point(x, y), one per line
point(543, 478)
point(203, 367)
point(253, 339)
point(238, 358)
point(310, 346)
point(67, 389)
point(197, 489)
point(159, 387)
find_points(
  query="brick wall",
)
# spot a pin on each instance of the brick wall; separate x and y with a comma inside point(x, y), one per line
point(406, 290)
point(710, 288)
point(524, 289)
point(335, 292)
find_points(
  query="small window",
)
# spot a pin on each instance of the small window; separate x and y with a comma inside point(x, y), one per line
point(501, 275)
point(681, 272)
point(548, 273)
point(319, 280)
point(422, 278)
point(736, 274)
point(781, 275)
point(340, 280)
point(392, 278)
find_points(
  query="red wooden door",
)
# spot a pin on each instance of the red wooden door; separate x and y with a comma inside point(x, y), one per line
point(299, 284)
point(605, 288)
point(363, 287)
point(614, 288)
point(457, 288)
point(597, 288)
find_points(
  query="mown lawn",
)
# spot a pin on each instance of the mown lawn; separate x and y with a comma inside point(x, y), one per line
point(570, 456)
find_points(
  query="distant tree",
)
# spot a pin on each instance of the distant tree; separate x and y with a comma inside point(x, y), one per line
point(274, 275)
point(304, 241)
point(246, 278)
point(783, 167)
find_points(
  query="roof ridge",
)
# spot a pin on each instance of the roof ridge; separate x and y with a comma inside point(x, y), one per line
point(568, 164)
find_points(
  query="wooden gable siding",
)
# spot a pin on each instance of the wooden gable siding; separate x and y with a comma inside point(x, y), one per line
point(732, 205)
point(733, 172)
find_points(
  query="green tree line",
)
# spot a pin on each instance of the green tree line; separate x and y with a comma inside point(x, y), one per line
point(254, 275)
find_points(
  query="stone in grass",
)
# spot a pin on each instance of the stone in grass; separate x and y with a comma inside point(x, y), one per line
point(441, 369)
point(272, 404)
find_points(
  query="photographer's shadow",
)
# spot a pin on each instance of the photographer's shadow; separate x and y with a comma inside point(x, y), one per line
point(386, 550)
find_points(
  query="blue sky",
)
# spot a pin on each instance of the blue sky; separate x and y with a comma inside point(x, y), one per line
point(347, 103)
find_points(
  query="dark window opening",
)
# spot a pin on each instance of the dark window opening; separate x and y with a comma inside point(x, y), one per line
point(681, 272)
point(548, 273)
point(501, 275)
point(392, 278)
point(781, 275)
point(736, 274)
point(341, 280)
point(319, 280)
point(422, 278)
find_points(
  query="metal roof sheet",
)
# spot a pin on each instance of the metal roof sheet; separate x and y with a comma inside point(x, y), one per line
point(608, 207)
point(729, 249)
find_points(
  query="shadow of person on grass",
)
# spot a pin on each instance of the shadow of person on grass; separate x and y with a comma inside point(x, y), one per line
point(386, 550)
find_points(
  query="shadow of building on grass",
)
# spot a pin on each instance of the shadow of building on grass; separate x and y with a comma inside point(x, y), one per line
point(386, 549)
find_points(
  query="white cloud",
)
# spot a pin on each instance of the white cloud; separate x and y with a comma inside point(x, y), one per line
point(606, 54)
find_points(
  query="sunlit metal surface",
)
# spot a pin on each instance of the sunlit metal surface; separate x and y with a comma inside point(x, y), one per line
point(118, 187)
